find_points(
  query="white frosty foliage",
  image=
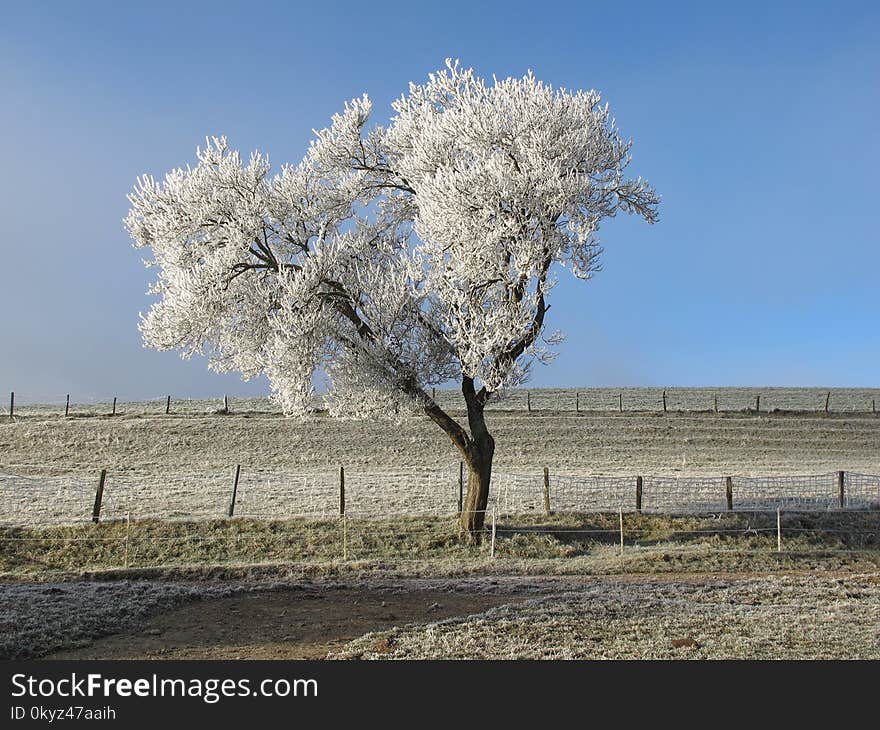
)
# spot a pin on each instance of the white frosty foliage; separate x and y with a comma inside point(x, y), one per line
point(389, 259)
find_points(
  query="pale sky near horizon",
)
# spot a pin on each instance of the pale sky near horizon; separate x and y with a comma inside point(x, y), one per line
point(756, 122)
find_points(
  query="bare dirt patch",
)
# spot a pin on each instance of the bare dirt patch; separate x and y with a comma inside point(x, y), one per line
point(282, 624)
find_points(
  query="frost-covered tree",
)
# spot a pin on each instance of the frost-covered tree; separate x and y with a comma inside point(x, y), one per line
point(392, 259)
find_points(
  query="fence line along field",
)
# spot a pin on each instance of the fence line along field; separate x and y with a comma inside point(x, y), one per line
point(611, 400)
point(69, 499)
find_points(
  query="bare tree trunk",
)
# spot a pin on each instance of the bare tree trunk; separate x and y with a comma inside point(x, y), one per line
point(479, 461)
point(478, 454)
point(477, 448)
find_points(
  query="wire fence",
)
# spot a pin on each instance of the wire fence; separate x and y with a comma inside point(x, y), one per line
point(520, 493)
point(587, 400)
point(31, 501)
point(612, 541)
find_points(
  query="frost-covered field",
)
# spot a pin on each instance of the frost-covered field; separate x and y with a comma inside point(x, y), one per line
point(181, 464)
point(756, 618)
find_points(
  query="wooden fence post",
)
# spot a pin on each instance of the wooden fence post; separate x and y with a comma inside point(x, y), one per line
point(728, 483)
point(433, 394)
point(492, 549)
point(577, 402)
point(341, 491)
point(546, 491)
point(234, 489)
point(226, 405)
point(620, 402)
point(127, 534)
point(620, 512)
point(12, 406)
point(460, 486)
point(716, 403)
point(114, 407)
point(529, 400)
point(841, 476)
point(67, 406)
point(344, 537)
point(638, 494)
point(873, 406)
point(757, 404)
point(827, 401)
point(778, 530)
point(664, 401)
point(167, 405)
point(99, 497)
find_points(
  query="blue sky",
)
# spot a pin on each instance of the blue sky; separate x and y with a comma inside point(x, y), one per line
point(757, 123)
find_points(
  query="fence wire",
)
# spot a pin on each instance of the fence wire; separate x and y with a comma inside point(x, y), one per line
point(57, 500)
point(672, 494)
point(861, 490)
point(50, 500)
point(558, 400)
point(521, 493)
point(270, 495)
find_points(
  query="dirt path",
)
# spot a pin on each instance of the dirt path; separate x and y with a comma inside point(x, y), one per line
point(281, 624)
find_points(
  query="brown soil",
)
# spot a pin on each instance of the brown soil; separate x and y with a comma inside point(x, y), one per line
point(281, 624)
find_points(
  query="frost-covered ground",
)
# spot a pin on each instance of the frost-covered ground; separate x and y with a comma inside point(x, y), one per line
point(756, 618)
point(797, 617)
point(181, 464)
point(36, 618)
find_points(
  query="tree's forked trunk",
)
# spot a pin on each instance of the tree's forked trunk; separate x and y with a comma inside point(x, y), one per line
point(477, 449)
point(473, 509)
